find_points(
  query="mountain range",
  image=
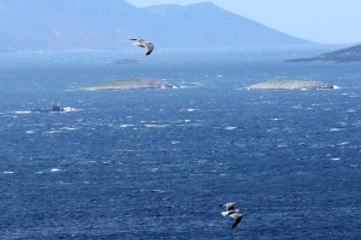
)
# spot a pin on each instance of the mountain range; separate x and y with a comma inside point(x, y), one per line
point(100, 24)
point(350, 54)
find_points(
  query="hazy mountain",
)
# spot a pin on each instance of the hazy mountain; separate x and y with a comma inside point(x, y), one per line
point(100, 24)
point(351, 54)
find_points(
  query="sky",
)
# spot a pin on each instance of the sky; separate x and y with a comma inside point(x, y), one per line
point(323, 21)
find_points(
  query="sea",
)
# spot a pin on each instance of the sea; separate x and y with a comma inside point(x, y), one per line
point(158, 164)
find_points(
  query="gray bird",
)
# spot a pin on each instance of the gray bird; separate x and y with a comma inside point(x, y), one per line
point(232, 212)
point(144, 44)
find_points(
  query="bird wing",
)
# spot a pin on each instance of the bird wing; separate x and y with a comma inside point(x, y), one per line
point(238, 220)
point(150, 48)
point(230, 205)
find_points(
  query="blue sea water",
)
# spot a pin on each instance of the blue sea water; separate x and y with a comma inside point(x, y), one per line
point(156, 164)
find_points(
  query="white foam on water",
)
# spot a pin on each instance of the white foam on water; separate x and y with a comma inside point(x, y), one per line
point(126, 125)
point(282, 145)
point(336, 129)
point(156, 125)
point(154, 170)
point(54, 170)
point(30, 132)
point(175, 142)
point(8, 172)
point(183, 121)
point(22, 112)
point(70, 109)
point(158, 191)
point(229, 128)
point(192, 110)
point(299, 106)
point(352, 110)
point(276, 119)
point(335, 159)
point(69, 128)
point(343, 143)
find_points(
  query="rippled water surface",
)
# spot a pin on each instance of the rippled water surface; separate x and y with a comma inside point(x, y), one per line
point(156, 164)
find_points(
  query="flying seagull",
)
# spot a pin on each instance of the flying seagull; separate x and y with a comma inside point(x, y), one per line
point(144, 44)
point(232, 212)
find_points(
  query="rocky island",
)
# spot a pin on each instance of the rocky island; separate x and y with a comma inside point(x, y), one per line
point(351, 54)
point(130, 83)
point(290, 85)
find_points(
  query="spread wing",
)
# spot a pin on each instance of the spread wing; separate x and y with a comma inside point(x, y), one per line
point(150, 48)
point(230, 206)
point(238, 219)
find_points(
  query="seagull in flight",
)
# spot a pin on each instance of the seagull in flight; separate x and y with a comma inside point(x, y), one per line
point(232, 212)
point(144, 44)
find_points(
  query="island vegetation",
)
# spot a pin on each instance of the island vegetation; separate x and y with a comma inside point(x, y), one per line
point(130, 83)
point(290, 85)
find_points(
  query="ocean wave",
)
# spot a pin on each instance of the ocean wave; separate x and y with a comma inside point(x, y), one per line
point(126, 125)
point(156, 125)
point(230, 128)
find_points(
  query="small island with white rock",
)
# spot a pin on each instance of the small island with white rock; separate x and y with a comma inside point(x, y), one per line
point(290, 85)
point(130, 83)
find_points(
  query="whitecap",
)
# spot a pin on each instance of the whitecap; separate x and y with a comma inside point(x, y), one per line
point(30, 132)
point(22, 112)
point(343, 143)
point(175, 142)
point(154, 170)
point(299, 106)
point(69, 128)
point(229, 128)
point(282, 145)
point(192, 110)
point(70, 109)
point(158, 191)
point(53, 170)
point(126, 125)
point(156, 125)
point(183, 121)
point(335, 159)
point(335, 129)
point(352, 110)
point(8, 172)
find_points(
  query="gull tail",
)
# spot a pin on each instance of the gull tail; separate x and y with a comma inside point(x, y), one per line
point(225, 213)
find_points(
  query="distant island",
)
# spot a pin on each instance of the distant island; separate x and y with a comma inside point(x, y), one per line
point(290, 85)
point(351, 54)
point(130, 83)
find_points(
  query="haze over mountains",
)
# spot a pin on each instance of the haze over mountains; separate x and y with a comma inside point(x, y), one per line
point(99, 24)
